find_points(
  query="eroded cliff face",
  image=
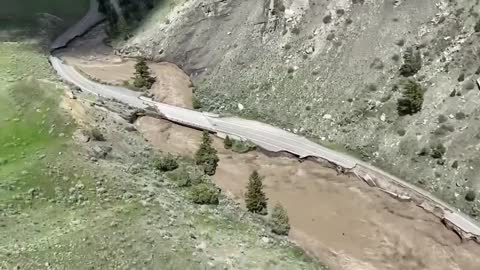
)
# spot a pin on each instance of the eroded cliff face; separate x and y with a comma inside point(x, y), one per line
point(330, 70)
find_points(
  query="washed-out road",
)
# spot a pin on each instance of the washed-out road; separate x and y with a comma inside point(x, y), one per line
point(265, 136)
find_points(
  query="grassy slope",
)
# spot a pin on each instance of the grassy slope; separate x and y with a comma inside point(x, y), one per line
point(32, 129)
point(60, 230)
point(31, 123)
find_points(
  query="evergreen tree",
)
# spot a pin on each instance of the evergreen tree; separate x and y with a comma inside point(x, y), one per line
point(142, 78)
point(206, 155)
point(228, 143)
point(412, 62)
point(255, 198)
point(279, 220)
point(412, 99)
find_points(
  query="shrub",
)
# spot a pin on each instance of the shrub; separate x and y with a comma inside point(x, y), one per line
point(437, 150)
point(206, 156)
point(477, 26)
point(396, 57)
point(255, 198)
point(243, 146)
point(227, 143)
point(186, 177)
point(442, 118)
point(330, 36)
point(460, 115)
point(340, 12)
point(327, 19)
point(443, 130)
point(279, 220)
point(97, 135)
point(424, 151)
point(461, 77)
point(412, 99)
point(166, 163)
point(400, 42)
point(412, 62)
point(455, 164)
point(295, 30)
point(372, 87)
point(196, 103)
point(470, 196)
point(469, 85)
point(401, 132)
point(204, 194)
point(142, 78)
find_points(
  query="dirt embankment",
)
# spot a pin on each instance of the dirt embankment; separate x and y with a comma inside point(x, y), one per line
point(335, 217)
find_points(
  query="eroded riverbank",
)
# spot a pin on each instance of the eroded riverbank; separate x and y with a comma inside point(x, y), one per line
point(331, 214)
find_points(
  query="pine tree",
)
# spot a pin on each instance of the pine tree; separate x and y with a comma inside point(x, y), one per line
point(279, 220)
point(412, 62)
point(255, 198)
point(206, 155)
point(412, 98)
point(142, 78)
point(227, 143)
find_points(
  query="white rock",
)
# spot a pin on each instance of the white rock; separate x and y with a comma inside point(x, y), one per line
point(383, 117)
point(327, 116)
point(202, 246)
point(265, 240)
point(240, 106)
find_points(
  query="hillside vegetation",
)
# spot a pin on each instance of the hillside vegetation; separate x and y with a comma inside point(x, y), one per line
point(80, 189)
point(392, 82)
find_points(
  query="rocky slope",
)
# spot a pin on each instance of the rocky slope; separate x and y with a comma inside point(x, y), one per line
point(330, 70)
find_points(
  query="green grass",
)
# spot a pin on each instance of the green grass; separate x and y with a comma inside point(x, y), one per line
point(19, 61)
point(32, 129)
point(32, 133)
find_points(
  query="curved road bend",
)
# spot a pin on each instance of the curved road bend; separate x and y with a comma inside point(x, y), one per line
point(264, 135)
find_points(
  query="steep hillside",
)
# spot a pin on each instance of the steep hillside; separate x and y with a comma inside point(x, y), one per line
point(331, 70)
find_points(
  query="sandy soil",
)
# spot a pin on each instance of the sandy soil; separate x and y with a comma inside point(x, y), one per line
point(337, 218)
point(92, 57)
